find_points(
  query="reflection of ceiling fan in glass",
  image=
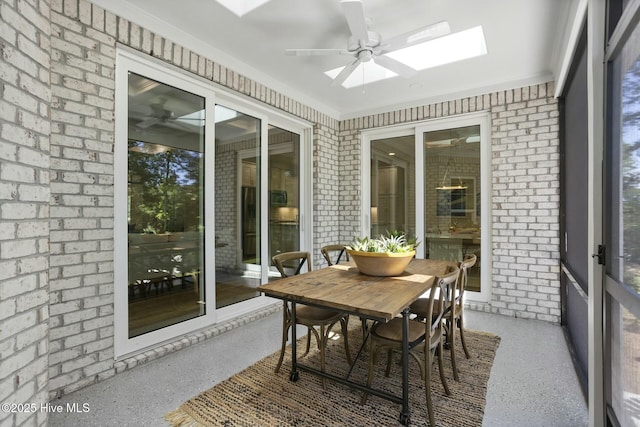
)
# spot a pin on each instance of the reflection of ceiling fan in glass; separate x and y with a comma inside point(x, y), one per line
point(367, 45)
point(162, 115)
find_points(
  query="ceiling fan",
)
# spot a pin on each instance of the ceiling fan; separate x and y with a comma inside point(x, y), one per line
point(162, 115)
point(367, 45)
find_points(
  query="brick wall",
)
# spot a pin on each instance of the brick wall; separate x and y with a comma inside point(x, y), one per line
point(326, 184)
point(25, 99)
point(525, 200)
point(82, 133)
point(525, 192)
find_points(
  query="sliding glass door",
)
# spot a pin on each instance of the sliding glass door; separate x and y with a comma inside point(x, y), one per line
point(207, 188)
point(429, 180)
point(238, 210)
point(452, 195)
point(165, 205)
point(622, 227)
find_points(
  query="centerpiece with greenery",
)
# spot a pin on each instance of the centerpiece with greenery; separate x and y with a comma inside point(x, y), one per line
point(386, 255)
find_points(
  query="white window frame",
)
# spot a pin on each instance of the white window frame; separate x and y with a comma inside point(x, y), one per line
point(483, 119)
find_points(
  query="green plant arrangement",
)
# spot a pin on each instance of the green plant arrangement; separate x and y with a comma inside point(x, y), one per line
point(392, 242)
point(385, 255)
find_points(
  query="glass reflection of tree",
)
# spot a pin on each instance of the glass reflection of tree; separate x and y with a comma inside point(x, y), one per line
point(165, 184)
point(631, 174)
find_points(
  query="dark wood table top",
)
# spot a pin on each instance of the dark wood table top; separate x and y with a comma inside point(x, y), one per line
point(342, 287)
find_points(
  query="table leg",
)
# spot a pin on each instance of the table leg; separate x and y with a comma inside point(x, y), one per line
point(405, 415)
point(294, 351)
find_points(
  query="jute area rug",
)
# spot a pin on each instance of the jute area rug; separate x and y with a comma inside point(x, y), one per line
point(259, 397)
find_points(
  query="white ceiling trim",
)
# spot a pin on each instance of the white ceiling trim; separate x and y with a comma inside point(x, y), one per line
point(145, 20)
point(452, 96)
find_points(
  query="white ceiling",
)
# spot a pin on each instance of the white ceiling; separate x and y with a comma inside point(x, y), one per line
point(524, 40)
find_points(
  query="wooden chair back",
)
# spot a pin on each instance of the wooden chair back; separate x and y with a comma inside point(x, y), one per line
point(329, 250)
point(300, 258)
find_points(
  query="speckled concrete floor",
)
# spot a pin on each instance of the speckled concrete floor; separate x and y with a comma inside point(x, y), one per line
point(532, 382)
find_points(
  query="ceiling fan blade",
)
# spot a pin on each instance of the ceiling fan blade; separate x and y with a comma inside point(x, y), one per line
point(354, 12)
point(148, 122)
point(317, 52)
point(416, 36)
point(395, 66)
point(345, 73)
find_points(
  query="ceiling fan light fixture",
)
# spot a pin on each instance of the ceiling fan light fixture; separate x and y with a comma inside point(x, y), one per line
point(443, 50)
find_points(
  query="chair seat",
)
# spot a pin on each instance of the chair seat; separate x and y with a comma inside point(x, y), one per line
point(316, 315)
point(420, 306)
point(392, 330)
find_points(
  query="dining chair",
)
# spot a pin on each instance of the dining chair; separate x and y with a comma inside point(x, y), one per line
point(311, 317)
point(334, 254)
point(428, 335)
point(454, 311)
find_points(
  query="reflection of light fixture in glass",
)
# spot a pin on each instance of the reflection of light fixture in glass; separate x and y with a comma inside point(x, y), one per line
point(442, 185)
point(374, 214)
point(148, 148)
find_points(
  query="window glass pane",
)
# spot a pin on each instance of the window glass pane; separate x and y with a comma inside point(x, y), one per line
point(284, 191)
point(393, 185)
point(452, 196)
point(165, 205)
point(237, 198)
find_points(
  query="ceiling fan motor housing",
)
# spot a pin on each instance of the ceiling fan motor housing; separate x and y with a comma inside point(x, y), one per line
point(374, 41)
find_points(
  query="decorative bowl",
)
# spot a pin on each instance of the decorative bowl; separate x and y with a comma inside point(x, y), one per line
point(381, 264)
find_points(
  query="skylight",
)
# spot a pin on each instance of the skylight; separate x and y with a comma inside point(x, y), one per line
point(443, 50)
point(241, 7)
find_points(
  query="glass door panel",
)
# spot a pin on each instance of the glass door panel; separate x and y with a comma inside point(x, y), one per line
point(165, 205)
point(393, 185)
point(452, 196)
point(623, 237)
point(284, 191)
point(237, 199)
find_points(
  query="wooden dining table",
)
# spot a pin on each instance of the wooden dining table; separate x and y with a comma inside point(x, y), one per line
point(343, 288)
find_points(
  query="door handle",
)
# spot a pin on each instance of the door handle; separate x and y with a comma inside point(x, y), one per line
point(600, 255)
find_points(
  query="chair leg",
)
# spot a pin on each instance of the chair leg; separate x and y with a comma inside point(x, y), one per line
point(451, 337)
point(365, 328)
point(344, 324)
point(443, 379)
point(309, 328)
point(372, 361)
point(322, 345)
point(461, 327)
point(427, 386)
point(285, 335)
point(389, 357)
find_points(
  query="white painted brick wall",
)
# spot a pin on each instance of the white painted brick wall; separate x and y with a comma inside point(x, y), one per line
point(81, 291)
point(25, 98)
